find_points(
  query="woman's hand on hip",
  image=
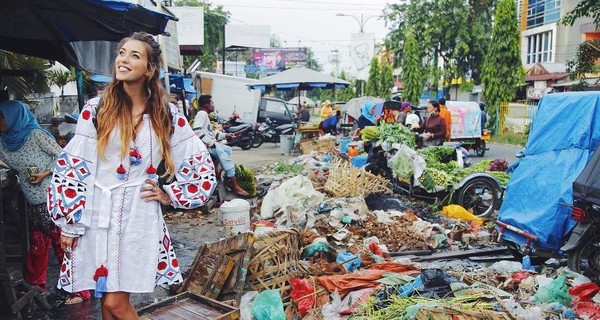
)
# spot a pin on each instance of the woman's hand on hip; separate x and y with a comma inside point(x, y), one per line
point(68, 244)
point(154, 193)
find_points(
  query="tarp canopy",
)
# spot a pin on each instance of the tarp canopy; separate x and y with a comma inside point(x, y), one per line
point(59, 29)
point(353, 106)
point(179, 82)
point(564, 135)
point(300, 78)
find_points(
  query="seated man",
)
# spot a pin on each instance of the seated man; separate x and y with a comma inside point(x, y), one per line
point(210, 138)
point(329, 125)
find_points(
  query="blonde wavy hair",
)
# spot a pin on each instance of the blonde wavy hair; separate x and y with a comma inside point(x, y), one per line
point(117, 107)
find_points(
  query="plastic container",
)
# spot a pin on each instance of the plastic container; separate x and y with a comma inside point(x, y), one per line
point(287, 144)
point(236, 216)
point(359, 161)
point(344, 145)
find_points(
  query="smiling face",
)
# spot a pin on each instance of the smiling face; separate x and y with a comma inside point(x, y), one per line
point(131, 64)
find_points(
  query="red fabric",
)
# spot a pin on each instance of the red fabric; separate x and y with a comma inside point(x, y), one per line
point(36, 262)
point(390, 266)
point(352, 281)
point(585, 291)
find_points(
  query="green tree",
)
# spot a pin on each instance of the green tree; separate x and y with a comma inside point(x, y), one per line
point(215, 18)
point(412, 71)
point(372, 88)
point(21, 86)
point(589, 51)
point(502, 69)
point(60, 77)
point(386, 80)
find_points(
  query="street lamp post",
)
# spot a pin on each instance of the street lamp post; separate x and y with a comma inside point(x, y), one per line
point(361, 22)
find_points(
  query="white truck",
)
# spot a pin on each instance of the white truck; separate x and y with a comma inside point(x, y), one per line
point(231, 94)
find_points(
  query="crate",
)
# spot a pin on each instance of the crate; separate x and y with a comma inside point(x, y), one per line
point(189, 306)
point(276, 260)
point(345, 180)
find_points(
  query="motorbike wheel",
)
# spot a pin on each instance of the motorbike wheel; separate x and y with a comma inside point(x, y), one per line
point(479, 195)
point(586, 259)
point(257, 141)
point(480, 149)
point(245, 145)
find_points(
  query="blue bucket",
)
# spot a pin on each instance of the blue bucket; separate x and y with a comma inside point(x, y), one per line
point(344, 145)
point(359, 161)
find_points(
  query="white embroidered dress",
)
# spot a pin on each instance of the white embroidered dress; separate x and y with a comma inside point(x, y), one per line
point(117, 229)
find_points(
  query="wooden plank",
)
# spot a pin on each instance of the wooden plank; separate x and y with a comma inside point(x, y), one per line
point(208, 273)
point(190, 306)
point(239, 248)
point(463, 254)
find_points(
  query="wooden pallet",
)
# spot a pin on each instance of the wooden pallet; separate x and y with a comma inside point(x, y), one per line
point(189, 306)
point(208, 273)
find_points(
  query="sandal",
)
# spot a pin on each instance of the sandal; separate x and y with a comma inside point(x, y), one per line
point(78, 297)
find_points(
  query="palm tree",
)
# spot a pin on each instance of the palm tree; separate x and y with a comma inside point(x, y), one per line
point(21, 86)
point(60, 78)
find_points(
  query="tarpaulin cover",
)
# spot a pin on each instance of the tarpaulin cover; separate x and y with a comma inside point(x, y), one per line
point(564, 134)
point(587, 186)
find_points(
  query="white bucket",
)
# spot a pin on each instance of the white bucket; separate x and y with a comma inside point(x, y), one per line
point(236, 216)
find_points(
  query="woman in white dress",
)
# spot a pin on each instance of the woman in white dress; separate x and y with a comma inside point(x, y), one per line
point(105, 194)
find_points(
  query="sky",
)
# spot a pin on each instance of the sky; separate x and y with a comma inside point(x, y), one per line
point(312, 23)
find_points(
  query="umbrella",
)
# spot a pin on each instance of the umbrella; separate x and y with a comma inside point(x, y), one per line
point(300, 78)
point(59, 29)
point(353, 106)
point(308, 101)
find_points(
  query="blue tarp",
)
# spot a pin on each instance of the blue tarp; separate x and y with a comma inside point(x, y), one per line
point(564, 134)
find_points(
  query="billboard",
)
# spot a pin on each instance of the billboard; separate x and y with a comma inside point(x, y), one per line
point(190, 27)
point(247, 35)
point(275, 60)
point(362, 48)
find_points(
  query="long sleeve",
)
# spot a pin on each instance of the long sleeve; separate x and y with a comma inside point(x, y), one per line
point(194, 169)
point(72, 183)
point(202, 129)
point(48, 145)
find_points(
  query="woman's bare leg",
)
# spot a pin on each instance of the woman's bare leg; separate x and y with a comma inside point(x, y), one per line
point(116, 306)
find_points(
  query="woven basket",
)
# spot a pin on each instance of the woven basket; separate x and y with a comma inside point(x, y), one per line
point(455, 313)
point(276, 261)
point(307, 146)
point(345, 180)
point(326, 145)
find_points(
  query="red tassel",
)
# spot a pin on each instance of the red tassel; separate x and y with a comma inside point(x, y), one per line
point(151, 170)
point(121, 169)
point(100, 272)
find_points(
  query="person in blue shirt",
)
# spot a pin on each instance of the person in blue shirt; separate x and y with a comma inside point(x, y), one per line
point(329, 125)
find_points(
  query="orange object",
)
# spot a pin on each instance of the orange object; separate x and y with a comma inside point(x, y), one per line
point(353, 151)
point(352, 281)
point(396, 267)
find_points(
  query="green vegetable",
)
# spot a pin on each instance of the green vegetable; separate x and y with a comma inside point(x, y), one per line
point(282, 168)
point(369, 133)
point(396, 133)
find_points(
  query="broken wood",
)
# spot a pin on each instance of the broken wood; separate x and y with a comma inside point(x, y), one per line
point(208, 273)
point(189, 306)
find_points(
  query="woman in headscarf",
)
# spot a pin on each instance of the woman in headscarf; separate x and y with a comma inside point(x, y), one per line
point(28, 147)
point(326, 110)
point(367, 117)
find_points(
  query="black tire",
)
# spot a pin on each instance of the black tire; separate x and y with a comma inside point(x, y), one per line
point(245, 145)
point(586, 259)
point(479, 194)
point(480, 150)
point(257, 141)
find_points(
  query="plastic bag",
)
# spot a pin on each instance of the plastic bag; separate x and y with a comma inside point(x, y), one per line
point(458, 212)
point(268, 306)
point(302, 295)
point(408, 289)
point(555, 292)
point(585, 291)
point(350, 265)
point(331, 311)
point(246, 305)
point(436, 283)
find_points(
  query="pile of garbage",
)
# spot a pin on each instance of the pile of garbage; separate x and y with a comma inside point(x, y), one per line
point(373, 256)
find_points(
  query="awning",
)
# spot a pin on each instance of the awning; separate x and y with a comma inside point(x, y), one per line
point(592, 82)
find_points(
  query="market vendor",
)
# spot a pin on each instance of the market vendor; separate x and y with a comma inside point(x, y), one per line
point(433, 131)
point(329, 125)
point(367, 117)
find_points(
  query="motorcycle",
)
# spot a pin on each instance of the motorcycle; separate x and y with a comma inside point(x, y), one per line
point(271, 132)
point(583, 244)
point(244, 136)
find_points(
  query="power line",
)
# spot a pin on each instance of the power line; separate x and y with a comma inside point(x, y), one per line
point(297, 8)
point(336, 3)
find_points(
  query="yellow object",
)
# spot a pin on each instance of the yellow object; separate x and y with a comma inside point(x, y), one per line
point(458, 212)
